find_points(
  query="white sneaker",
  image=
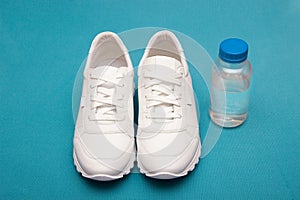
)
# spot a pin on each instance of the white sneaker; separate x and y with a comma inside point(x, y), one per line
point(168, 139)
point(104, 147)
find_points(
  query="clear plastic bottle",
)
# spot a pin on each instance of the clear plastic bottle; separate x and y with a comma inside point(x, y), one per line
point(231, 78)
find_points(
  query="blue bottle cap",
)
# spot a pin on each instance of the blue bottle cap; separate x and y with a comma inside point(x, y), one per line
point(233, 50)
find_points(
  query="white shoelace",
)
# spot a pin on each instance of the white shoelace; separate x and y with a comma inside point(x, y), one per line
point(162, 96)
point(104, 101)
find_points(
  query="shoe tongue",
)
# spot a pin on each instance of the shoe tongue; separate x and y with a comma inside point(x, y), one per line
point(165, 61)
point(108, 71)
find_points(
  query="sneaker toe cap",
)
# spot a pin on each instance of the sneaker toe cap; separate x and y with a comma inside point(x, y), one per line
point(161, 163)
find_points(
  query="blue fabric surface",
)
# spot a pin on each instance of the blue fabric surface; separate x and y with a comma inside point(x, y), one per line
point(42, 46)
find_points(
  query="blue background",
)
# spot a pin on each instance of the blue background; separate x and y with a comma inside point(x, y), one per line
point(42, 46)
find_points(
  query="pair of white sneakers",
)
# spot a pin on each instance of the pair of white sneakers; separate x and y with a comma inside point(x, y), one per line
point(167, 141)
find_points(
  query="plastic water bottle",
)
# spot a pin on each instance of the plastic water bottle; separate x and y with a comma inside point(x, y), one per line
point(231, 78)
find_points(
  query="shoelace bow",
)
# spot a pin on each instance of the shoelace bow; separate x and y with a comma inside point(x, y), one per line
point(162, 87)
point(104, 102)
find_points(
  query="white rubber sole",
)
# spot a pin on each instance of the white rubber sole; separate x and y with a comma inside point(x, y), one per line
point(105, 177)
point(168, 175)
